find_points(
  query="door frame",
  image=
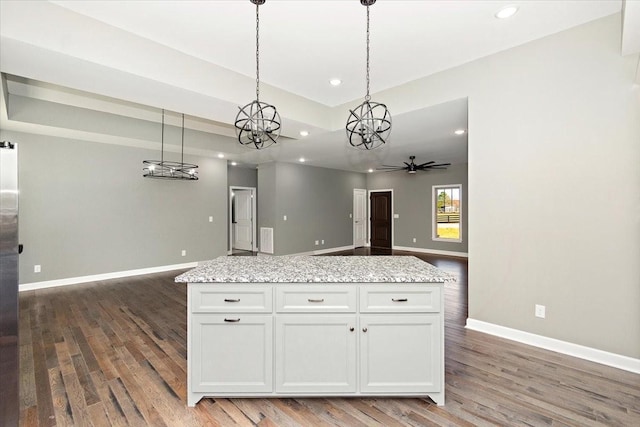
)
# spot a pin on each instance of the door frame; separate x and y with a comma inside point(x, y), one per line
point(393, 216)
point(353, 220)
point(254, 218)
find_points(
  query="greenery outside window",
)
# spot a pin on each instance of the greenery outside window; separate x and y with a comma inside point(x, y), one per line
point(447, 213)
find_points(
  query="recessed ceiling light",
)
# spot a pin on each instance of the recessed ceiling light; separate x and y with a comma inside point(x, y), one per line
point(221, 156)
point(459, 132)
point(304, 133)
point(370, 170)
point(506, 12)
point(301, 160)
point(234, 164)
point(335, 82)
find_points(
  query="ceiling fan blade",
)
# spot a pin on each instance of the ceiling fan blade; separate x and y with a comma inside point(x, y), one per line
point(408, 165)
point(390, 168)
point(424, 164)
point(438, 165)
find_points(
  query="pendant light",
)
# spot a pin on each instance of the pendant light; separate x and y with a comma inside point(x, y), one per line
point(163, 169)
point(257, 123)
point(369, 124)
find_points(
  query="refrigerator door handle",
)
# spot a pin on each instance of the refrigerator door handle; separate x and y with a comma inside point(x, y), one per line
point(20, 248)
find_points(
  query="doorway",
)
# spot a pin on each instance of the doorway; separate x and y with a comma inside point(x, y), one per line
point(242, 224)
point(380, 220)
point(359, 217)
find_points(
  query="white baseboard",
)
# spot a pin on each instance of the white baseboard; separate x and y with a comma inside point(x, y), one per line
point(326, 251)
point(432, 251)
point(104, 276)
point(592, 354)
point(318, 252)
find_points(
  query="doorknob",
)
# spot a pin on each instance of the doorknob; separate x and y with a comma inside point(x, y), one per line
point(364, 329)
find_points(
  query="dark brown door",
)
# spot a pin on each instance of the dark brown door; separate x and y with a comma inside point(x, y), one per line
point(381, 219)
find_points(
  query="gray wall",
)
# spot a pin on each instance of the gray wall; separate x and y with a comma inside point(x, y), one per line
point(412, 203)
point(85, 209)
point(317, 203)
point(554, 184)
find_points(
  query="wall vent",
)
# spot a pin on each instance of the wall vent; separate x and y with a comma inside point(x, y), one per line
point(266, 240)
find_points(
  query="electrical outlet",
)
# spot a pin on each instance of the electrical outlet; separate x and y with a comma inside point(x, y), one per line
point(37, 269)
point(414, 240)
point(210, 219)
point(284, 218)
point(317, 243)
point(184, 252)
point(322, 242)
point(540, 311)
point(350, 215)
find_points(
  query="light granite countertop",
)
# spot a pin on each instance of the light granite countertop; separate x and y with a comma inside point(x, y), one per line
point(316, 269)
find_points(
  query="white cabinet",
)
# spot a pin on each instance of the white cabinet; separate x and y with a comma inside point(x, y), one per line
point(261, 340)
point(400, 353)
point(231, 353)
point(316, 353)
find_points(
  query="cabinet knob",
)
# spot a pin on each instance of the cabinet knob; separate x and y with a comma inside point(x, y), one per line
point(364, 329)
point(352, 329)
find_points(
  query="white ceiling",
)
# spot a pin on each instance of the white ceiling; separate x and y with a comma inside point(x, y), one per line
point(198, 57)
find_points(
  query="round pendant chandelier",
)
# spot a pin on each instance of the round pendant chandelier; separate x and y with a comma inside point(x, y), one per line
point(369, 124)
point(257, 123)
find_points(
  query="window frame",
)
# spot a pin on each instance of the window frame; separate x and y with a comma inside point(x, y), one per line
point(434, 213)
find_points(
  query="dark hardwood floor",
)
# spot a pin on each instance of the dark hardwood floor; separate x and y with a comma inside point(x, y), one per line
point(114, 353)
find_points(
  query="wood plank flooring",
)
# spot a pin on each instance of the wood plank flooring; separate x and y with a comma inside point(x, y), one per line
point(114, 353)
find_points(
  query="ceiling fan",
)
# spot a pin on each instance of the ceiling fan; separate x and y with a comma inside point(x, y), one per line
point(412, 167)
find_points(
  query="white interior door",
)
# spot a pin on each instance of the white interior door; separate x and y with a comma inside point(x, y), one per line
point(243, 225)
point(359, 217)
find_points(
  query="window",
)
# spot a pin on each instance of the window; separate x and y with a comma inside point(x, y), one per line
point(447, 212)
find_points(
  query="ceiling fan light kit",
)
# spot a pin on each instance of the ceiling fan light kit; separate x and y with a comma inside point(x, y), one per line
point(369, 124)
point(412, 167)
point(257, 123)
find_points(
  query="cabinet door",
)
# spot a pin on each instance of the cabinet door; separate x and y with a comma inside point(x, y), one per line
point(400, 353)
point(231, 353)
point(315, 353)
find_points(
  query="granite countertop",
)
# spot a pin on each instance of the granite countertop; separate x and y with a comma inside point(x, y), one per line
point(316, 269)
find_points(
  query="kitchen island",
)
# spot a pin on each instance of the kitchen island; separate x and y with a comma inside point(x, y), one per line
point(315, 326)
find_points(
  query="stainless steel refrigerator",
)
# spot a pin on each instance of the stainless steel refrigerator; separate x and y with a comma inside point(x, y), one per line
point(9, 249)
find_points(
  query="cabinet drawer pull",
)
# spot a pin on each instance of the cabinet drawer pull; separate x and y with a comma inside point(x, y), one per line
point(399, 299)
point(315, 300)
point(231, 300)
point(232, 320)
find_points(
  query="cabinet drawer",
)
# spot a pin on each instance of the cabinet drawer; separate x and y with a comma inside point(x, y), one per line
point(314, 299)
point(227, 299)
point(400, 299)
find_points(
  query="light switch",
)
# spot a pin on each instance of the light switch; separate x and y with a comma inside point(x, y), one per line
point(210, 219)
point(396, 216)
point(284, 218)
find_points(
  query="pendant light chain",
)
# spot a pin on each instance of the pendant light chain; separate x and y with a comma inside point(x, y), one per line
point(367, 97)
point(369, 124)
point(257, 123)
point(162, 139)
point(257, 53)
point(182, 148)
